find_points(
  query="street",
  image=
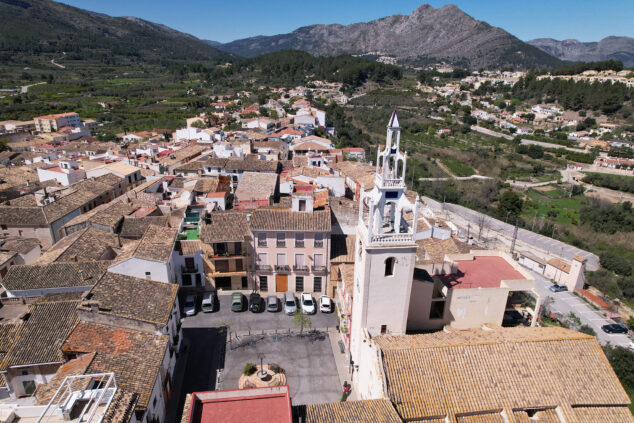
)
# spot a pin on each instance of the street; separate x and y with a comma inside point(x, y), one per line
point(566, 302)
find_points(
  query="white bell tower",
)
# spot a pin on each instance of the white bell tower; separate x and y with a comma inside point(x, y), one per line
point(385, 250)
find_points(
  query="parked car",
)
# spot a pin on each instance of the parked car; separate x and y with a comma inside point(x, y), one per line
point(237, 301)
point(190, 305)
point(325, 304)
point(290, 305)
point(614, 328)
point(255, 303)
point(558, 288)
point(209, 302)
point(272, 303)
point(307, 303)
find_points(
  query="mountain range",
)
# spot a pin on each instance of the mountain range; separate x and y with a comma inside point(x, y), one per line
point(31, 27)
point(617, 48)
point(445, 33)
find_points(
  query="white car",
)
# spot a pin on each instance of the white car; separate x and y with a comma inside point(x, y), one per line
point(190, 305)
point(307, 303)
point(325, 304)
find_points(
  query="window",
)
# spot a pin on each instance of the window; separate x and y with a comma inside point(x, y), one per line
point(281, 239)
point(29, 387)
point(19, 233)
point(299, 262)
point(154, 403)
point(239, 266)
point(264, 283)
point(262, 259)
point(4, 227)
point(299, 240)
point(317, 284)
point(299, 283)
point(245, 282)
point(319, 240)
point(187, 279)
point(189, 263)
point(148, 275)
point(437, 310)
point(261, 240)
point(383, 329)
point(318, 261)
point(302, 205)
point(389, 266)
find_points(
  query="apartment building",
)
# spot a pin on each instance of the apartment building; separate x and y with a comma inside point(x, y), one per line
point(52, 123)
point(291, 249)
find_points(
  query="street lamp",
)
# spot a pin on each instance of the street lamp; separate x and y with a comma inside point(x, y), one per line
point(261, 357)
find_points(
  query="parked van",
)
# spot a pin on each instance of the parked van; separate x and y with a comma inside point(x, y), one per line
point(209, 302)
point(290, 305)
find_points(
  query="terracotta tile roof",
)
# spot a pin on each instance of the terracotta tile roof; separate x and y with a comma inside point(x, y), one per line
point(156, 244)
point(256, 186)
point(191, 247)
point(582, 259)
point(132, 298)
point(603, 415)
point(361, 173)
point(342, 248)
point(134, 356)
point(484, 418)
point(86, 245)
point(285, 220)
point(225, 226)
point(20, 245)
point(8, 335)
point(252, 164)
point(347, 276)
point(121, 407)
point(559, 264)
point(207, 184)
point(41, 336)
point(135, 227)
point(368, 411)
point(478, 371)
point(44, 393)
point(433, 250)
point(54, 275)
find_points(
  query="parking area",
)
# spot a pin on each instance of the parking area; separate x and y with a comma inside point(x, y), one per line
point(255, 322)
point(308, 362)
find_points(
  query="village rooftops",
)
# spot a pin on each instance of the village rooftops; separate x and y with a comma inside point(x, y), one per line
point(86, 245)
point(207, 184)
point(256, 186)
point(39, 339)
point(156, 244)
point(286, 220)
point(44, 215)
point(265, 405)
point(342, 248)
point(481, 272)
point(368, 411)
point(449, 374)
point(135, 227)
point(225, 226)
point(34, 277)
point(132, 298)
point(559, 264)
point(134, 356)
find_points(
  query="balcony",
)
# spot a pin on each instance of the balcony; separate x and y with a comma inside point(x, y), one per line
point(319, 268)
point(261, 243)
point(262, 267)
point(299, 244)
point(189, 269)
point(280, 244)
point(300, 268)
point(282, 268)
point(319, 244)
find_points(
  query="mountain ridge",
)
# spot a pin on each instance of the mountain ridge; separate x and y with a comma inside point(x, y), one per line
point(445, 33)
point(44, 26)
point(612, 47)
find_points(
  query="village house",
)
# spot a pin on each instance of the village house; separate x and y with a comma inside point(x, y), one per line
point(256, 190)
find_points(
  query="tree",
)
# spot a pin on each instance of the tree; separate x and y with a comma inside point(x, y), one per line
point(301, 320)
point(510, 206)
point(198, 124)
point(622, 361)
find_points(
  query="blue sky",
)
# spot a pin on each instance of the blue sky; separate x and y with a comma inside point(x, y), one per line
point(222, 20)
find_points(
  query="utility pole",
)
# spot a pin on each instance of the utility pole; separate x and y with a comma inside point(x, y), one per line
point(514, 236)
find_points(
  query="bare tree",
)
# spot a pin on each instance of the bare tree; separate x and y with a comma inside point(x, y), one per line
point(482, 221)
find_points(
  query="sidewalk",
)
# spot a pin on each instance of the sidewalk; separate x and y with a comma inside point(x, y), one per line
point(342, 363)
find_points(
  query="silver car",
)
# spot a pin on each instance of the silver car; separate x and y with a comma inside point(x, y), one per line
point(290, 304)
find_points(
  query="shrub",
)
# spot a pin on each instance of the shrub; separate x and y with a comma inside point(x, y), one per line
point(275, 368)
point(587, 330)
point(249, 369)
